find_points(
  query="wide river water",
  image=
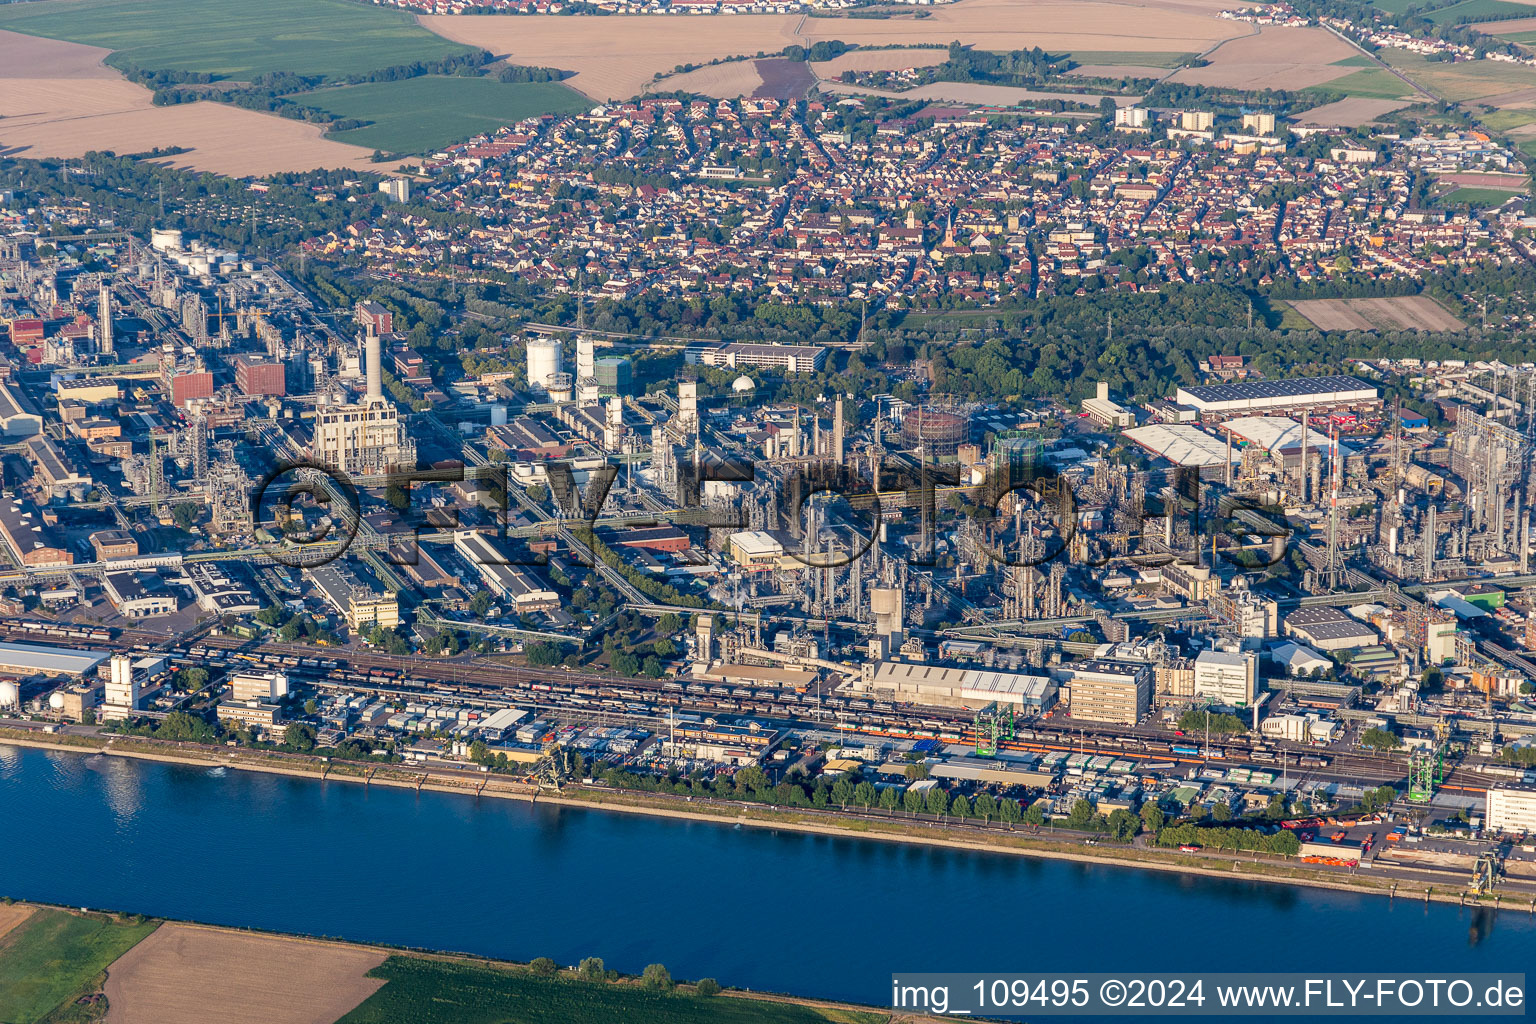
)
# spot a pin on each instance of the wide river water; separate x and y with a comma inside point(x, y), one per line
point(755, 908)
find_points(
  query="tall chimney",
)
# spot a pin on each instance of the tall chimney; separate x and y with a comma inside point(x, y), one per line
point(373, 361)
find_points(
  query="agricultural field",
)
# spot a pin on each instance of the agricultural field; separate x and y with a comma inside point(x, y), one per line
point(427, 991)
point(975, 92)
point(57, 99)
point(1494, 83)
point(235, 41)
point(724, 81)
point(419, 115)
point(1276, 57)
point(180, 973)
point(879, 60)
point(1349, 113)
point(1408, 312)
point(1370, 83)
point(1144, 59)
point(53, 957)
point(1476, 9)
point(616, 57)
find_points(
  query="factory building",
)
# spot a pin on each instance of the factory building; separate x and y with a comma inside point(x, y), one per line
point(133, 600)
point(1328, 629)
point(1108, 691)
point(1105, 412)
point(17, 417)
point(218, 593)
point(367, 437)
point(1183, 445)
point(255, 376)
point(1282, 437)
point(1511, 810)
point(755, 550)
point(952, 686)
point(1320, 395)
point(1226, 677)
point(356, 601)
point(54, 474)
point(25, 660)
point(108, 544)
point(263, 686)
point(28, 533)
point(789, 358)
point(510, 582)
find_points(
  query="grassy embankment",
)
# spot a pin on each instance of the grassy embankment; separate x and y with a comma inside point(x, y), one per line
point(53, 960)
point(53, 966)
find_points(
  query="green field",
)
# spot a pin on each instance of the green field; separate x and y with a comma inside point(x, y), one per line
point(1518, 37)
point(1150, 59)
point(1374, 83)
point(1357, 61)
point(53, 956)
point(236, 39)
point(1477, 197)
point(1396, 6)
point(1461, 81)
point(422, 114)
point(1477, 9)
point(440, 992)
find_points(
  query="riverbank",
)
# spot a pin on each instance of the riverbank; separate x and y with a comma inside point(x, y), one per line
point(178, 972)
point(829, 823)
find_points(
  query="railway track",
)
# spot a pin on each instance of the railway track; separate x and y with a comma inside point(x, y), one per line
point(578, 693)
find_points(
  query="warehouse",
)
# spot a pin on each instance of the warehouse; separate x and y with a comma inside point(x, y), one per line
point(1281, 436)
point(975, 769)
point(1181, 444)
point(38, 659)
point(918, 683)
point(1328, 629)
point(501, 572)
point(1334, 394)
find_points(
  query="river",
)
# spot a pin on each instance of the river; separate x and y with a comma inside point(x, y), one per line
point(762, 909)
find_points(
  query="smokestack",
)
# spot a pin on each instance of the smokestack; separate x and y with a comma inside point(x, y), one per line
point(104, 314)
point(373, 366)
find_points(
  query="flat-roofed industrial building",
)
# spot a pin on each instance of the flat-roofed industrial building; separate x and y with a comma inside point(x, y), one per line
point(955, 686)
point(1336, 393)
point(1109, 691)
point(509, 581)
point(41, 659)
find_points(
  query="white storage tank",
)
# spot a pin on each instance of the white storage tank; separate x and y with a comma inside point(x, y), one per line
point(10, 694)
point(544, 361)
point(56, 700)
point(165, 239)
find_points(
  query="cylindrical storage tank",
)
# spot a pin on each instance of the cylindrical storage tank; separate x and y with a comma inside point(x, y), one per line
point(498, 415)
point(165, 238)
point(613, 375)
point(560, 387)
point(10, 694)
point(544, 360)
point(939, 431)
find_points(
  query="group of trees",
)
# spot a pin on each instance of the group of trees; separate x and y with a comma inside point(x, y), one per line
point(1195, 720)
point(1235, 838)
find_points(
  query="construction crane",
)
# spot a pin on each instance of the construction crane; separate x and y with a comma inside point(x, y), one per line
point(992, 723)
point(1426, 768)
point(1485, 873)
